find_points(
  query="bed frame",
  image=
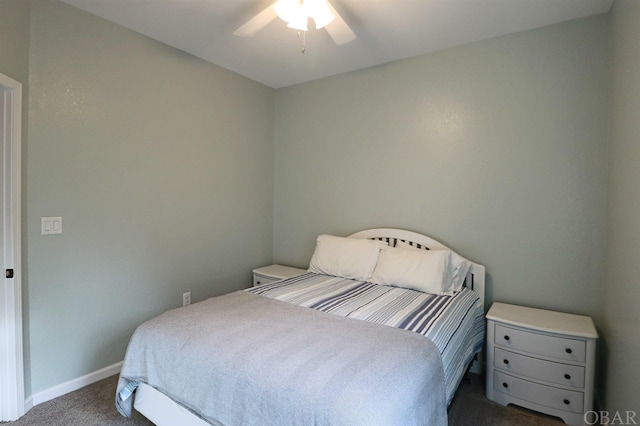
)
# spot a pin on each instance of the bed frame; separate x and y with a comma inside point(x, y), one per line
point(161, 410)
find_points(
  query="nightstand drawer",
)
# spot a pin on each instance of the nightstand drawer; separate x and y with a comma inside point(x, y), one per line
point(263, 279)
point(540, 344)
point(548, 371)
point(272, 273)
point(547, 396)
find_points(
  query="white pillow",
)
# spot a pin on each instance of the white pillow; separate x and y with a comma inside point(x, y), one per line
point(424, 270)
point(460, 267)
point(352, 258)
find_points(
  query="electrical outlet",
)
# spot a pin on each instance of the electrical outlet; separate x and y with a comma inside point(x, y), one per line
point(186, 298)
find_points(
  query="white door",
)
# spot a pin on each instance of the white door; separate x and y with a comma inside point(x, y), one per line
point(11, 368)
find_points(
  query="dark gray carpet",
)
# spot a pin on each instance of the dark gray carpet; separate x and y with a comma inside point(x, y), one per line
point(91, 405)
point(94, 405)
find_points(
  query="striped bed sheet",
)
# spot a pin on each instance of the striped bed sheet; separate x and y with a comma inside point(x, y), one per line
point(454, 323)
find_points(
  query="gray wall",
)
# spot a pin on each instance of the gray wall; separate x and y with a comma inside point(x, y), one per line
point(161, 166)
point(14, 39)
point(497, 149)
point(621, 318)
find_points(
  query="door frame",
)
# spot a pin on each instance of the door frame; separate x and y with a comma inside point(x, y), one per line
point(12, 397)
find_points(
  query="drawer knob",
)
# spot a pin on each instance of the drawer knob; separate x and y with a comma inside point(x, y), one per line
point(568, 350)
point(567, 376)
point(566, 401)
point(506, 361)
point(507, 338)
point(505, 385)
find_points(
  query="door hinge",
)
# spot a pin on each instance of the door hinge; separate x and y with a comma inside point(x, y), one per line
point(8, 273)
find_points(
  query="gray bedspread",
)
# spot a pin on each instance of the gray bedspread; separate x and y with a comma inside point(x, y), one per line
point(243, 359)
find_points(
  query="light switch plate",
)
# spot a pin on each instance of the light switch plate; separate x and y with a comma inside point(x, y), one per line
point(51, 225)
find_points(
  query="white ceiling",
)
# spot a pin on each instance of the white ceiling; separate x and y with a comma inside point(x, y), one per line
point(386, 30)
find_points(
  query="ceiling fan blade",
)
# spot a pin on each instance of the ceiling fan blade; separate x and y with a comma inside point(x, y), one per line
point(338, 29)
point(257, 23)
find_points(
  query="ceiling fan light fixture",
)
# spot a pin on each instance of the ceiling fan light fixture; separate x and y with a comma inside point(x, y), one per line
point(319, 11)
point(296, 13)
point(299, 23)
point(287, 10)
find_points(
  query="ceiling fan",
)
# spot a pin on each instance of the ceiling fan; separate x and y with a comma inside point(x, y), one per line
point(297, 14)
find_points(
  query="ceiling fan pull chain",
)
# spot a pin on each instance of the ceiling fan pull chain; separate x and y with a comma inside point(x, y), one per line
point(304, 41)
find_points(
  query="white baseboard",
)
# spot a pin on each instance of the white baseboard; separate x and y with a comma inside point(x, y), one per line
point(72, 385)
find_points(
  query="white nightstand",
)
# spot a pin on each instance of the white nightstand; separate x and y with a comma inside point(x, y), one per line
point(271, 273)
point(541, 360)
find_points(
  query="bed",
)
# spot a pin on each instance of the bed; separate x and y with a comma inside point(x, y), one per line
point(356, 340)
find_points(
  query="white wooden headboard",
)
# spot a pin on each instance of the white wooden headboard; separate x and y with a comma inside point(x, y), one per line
point(475, 277)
